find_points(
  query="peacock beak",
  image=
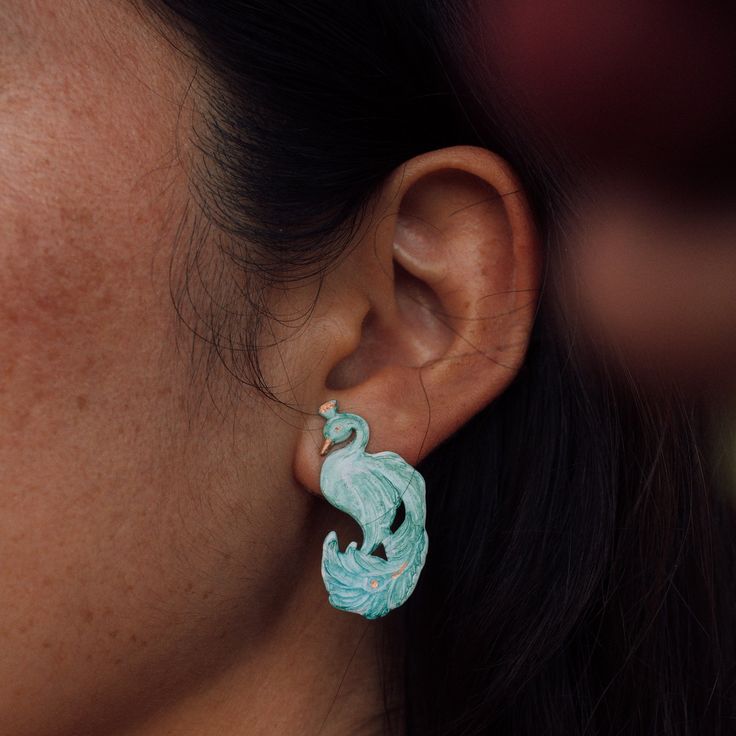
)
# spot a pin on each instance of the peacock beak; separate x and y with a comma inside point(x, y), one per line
point(326, 446)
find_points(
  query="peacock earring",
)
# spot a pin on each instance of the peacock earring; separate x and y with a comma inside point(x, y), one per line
point(371, 488)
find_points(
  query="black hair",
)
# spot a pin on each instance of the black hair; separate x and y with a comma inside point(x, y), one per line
point(581, 578)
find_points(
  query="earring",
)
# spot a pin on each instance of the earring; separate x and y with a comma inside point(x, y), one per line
point(370, 487)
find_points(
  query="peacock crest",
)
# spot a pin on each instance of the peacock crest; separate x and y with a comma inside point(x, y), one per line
point(370, 487)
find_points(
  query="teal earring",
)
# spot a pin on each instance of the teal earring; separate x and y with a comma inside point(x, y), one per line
point(370, 487)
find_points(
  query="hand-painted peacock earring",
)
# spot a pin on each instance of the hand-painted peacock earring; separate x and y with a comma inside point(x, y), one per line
point(371, 488)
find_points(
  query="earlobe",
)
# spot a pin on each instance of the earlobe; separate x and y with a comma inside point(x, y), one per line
point(450, 271)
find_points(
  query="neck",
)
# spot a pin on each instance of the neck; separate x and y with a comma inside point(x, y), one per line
point(318, 672)
point(362, 433)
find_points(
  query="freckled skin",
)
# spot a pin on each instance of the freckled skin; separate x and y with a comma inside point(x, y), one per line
point(123, 530)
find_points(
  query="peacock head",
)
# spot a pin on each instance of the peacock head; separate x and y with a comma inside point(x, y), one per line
point(337, 427)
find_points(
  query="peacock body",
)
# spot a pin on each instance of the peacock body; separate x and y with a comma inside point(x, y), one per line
point(370, 487)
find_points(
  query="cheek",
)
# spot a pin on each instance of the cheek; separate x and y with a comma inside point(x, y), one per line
point(125, 521)
point(81, 306)
point(80, 251)
point(80, 404)
point(89, 405)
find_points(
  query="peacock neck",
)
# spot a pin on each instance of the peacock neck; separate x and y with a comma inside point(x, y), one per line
point(361, 433)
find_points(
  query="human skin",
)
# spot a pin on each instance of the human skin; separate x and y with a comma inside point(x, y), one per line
point(113, 547)
point(159, 538)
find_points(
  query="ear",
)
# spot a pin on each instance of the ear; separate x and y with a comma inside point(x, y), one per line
point(427, 318)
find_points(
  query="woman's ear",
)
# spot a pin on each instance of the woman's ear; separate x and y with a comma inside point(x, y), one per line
point(427, 318)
